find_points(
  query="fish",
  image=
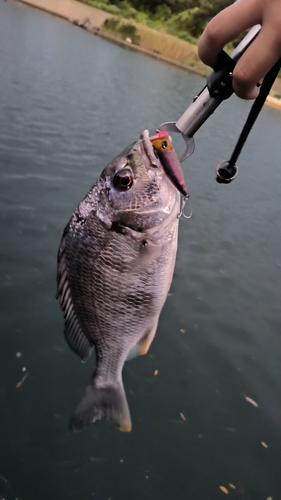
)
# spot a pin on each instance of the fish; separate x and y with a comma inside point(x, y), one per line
point(116, 262)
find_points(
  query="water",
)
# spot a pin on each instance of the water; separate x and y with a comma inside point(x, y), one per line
point(69, 103)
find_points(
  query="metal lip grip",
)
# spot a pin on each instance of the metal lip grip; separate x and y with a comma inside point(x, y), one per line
point(218, 88)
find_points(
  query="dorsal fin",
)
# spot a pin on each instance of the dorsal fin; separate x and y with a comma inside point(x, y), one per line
point(74, 335)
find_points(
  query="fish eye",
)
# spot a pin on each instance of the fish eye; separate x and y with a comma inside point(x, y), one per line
point(123, 180)
point(164, 144)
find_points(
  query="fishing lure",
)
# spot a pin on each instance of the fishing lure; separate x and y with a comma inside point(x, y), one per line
point(163, 147)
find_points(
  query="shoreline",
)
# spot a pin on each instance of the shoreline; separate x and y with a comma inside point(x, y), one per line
point(91, 19)
point(150, 53)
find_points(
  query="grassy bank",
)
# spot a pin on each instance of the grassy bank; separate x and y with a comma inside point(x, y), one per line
point(158, 42)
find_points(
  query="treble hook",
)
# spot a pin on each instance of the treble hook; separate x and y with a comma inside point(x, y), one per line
point(183, 203)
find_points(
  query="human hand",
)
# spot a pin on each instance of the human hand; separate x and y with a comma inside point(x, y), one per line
point(263, 52)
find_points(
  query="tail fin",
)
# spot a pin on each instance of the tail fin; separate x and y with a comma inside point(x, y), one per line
point(107, 401)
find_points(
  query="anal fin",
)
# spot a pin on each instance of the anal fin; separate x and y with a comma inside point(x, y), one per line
point(143, 345)
point(135, 351)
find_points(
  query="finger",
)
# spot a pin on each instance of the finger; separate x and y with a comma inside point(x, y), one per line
point(226, 26)
point(258, 59)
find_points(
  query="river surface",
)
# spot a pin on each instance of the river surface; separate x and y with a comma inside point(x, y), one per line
point(69, 103)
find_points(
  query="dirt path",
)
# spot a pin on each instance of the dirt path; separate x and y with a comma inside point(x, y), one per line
point(71, 10)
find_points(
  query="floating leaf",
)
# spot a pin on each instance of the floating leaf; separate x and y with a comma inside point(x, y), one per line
point(232, 486)
point(182, 416)
point(224, 489)
point(97, 459)
point(21, 381)
point(264, 444)
point(176, 420)
point(251, 401)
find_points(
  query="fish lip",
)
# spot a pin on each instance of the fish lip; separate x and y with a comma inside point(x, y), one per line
point(147, 151)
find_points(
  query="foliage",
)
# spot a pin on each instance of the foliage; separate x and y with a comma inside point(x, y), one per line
point(111, 23)
point(162, 13)
point(125, 30)
point(103, 5)
point(129, 31)
point(206, 10)
point(185, 21)
point(152, 6)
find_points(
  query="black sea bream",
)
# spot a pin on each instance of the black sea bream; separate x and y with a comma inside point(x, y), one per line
point(115, 266)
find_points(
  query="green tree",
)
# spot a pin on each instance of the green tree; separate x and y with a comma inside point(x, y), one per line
point(207, 10)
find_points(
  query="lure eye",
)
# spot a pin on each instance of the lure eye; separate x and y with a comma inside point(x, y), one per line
point(123, 180)
point(164, 144)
